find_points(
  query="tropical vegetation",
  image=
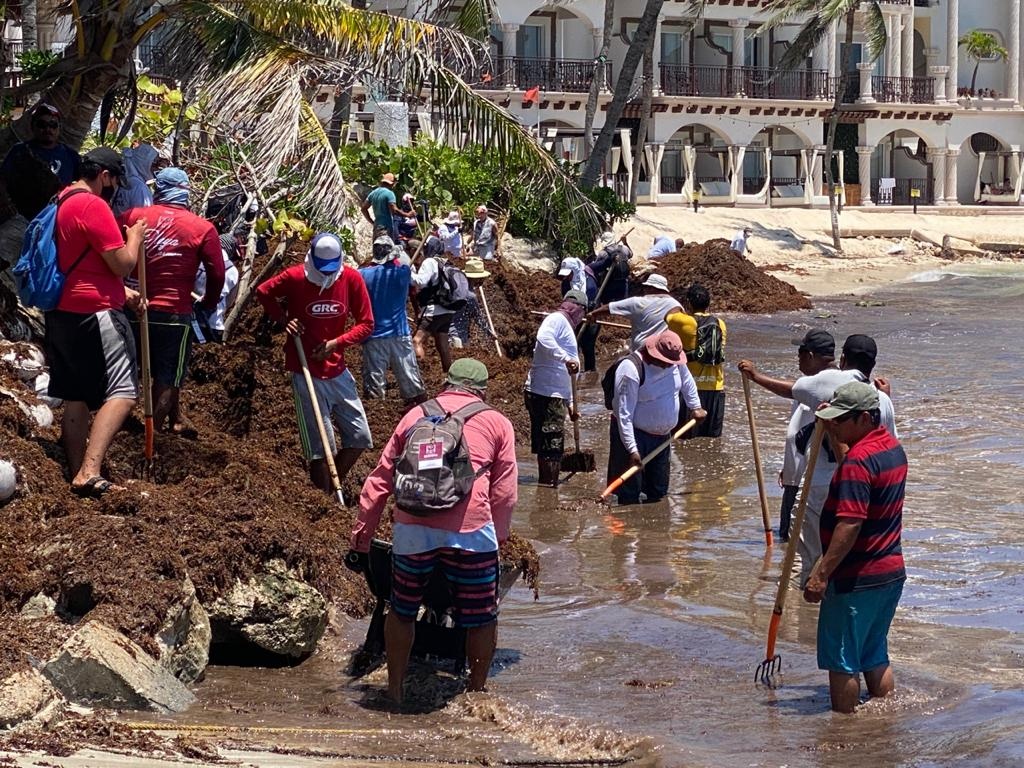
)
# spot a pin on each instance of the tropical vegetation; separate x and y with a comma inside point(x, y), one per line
point(981, 46)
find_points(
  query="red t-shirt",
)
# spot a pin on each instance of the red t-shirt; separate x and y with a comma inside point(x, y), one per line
point(177, 241)
point(323, 314)
point(85, 222)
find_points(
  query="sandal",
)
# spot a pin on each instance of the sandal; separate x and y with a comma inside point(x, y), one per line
point(94, 488)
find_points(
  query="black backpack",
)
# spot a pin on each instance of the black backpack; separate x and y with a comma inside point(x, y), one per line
point(710, 349)
point(453, 289)
point(608, 380)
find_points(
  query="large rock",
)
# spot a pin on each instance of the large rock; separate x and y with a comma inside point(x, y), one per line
point(274, 610)
point(99, 666)
point(27, 696)
point(184, 638)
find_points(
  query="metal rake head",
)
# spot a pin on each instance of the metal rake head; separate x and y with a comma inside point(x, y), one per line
point(766, 671)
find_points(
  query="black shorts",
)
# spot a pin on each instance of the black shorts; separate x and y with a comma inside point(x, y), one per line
point(547, 424)
point(437, 323)
point(170, 346)
point(91, 357)
point(712, 401)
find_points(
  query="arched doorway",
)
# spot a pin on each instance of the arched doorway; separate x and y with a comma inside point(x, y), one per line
point(899, 166)
point(989, 171)
point(696, 154)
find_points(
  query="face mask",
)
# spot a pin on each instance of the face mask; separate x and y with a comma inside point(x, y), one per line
point(107, 193)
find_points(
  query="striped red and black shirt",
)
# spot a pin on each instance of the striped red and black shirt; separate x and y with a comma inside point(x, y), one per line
point(869, 486)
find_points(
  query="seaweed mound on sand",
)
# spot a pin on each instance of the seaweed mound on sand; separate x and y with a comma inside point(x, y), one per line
point(736, 284)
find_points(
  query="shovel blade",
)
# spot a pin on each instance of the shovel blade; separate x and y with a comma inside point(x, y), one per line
point(765, 673)
point(580, 461)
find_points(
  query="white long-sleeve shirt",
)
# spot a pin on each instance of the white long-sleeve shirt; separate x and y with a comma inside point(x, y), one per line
point(556, 345)
point(428, 274)
point(654, 406)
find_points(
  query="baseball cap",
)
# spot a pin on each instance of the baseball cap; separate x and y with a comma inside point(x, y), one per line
point(860, 345)
point(563, 269)
point(44, 108)
point(666, 347)
point(660, 282)
point(108, 159)
point(326, 251)
point(817, 342)
point(606, 238)
point(852, 396)
point(467, 372)
point(578, 297)
point(388, 178)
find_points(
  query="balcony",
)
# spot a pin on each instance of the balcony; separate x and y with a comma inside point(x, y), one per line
point(903, 90)
point(558, 75)
point(751, 82)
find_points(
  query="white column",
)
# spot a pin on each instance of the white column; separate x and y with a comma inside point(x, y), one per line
point(952, 49)
point(1014, 46)
point(908, 44)
point(937, 157)
point(508, 48)
point(831, 54)
point(939, 76)
point(864, 157)
point(598, 34)
point(892, 34)
point(896, 45)
point(739, 53)
point(655, 59)
point(866, 69)
point(952, 155)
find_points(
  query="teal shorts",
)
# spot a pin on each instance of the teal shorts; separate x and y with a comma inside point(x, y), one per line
point(853, 628)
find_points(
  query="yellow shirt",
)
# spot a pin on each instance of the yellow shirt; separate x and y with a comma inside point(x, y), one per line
point(708, 377)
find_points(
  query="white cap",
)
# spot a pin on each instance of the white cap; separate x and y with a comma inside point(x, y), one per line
point(606, 238)
point(453, 218)
point(657, 281)
point(563, 269)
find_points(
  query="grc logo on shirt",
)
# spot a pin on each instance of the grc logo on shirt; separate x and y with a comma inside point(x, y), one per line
point(325, 308)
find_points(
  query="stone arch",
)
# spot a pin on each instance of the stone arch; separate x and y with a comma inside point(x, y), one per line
point(902, 154)
point(704, 136)
point(517, 13)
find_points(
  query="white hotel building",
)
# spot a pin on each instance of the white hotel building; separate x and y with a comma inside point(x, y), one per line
point(726, 122)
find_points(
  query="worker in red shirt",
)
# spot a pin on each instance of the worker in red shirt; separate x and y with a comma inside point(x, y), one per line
point(177, 242)
point(315, 300)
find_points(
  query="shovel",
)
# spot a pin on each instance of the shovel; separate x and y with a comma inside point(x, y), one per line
point(757, 465)
point(766, 670)
point(578, 461)
point(148, 469)
point(328, 454)
point(617, 482)
point(490, 323)
point(600, 291)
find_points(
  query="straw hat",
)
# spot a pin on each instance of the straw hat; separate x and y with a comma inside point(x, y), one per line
point(475, 269)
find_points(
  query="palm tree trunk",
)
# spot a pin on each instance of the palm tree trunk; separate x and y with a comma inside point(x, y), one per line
point(598, 82)
point(623, 86)
point(974, 77)
point(342, 104)
point(833, 128)
point(29, 36)
point(645, 118)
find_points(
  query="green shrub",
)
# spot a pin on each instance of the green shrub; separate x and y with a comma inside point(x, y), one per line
point(35, 62)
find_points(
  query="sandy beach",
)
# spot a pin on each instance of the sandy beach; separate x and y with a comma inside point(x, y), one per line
point(795, 244)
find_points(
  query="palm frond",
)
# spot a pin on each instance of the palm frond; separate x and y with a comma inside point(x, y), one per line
point(874, 30)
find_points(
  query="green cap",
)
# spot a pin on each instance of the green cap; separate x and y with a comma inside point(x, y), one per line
point(853, 396)
point(469, 373)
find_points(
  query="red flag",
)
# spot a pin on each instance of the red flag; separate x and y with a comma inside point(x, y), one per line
point(531, 96)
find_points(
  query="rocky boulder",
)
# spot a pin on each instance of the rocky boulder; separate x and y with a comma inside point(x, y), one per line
point(27, 696)
point(274, 613)
point(101, 667)
point(184, 638)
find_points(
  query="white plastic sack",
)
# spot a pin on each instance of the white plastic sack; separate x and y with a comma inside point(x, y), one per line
point(8, 480)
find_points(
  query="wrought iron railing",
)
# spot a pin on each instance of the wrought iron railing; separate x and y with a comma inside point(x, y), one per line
point(903, 90)
point(901, 192)
point(558, 75)
point(751, 82)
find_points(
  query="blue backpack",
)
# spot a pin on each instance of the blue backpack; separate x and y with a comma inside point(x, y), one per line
point(37, 273)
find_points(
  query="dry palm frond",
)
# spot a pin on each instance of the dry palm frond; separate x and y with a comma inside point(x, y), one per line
point(820, 18)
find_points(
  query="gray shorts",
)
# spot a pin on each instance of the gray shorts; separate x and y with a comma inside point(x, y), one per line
point(338, 398)
point(396, 353)
point(91, 357)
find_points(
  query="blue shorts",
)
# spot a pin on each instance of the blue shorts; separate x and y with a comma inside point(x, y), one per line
point(853, 628)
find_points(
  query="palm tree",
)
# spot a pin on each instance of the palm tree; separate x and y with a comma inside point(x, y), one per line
point(623, 89)
point(256, 65)
point(821, 16)
point(981, 46)
point(598, 81)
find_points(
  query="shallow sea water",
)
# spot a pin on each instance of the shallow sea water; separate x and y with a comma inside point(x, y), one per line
point(652, 619)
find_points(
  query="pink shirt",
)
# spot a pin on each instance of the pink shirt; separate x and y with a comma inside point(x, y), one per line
point(490, 438)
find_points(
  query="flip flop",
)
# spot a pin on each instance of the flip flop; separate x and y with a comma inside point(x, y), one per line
point(94, 488)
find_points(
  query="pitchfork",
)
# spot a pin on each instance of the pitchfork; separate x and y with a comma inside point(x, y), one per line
point(772, 664)
point(148, 469)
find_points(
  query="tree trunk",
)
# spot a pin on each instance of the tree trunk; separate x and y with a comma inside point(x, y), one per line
point(623, 86)
point(342, 104)
point(833, 128)
point(645, 119)
point(974, 77)
point(29, 35)
point(600, 70)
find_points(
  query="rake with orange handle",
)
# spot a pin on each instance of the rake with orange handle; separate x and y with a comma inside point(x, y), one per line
point(772, 663)
point(617, 482)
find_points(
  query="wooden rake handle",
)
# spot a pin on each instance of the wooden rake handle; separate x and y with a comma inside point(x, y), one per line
point(794, 538)
point(758, 467)
point(328, 454)
point(617, 482)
